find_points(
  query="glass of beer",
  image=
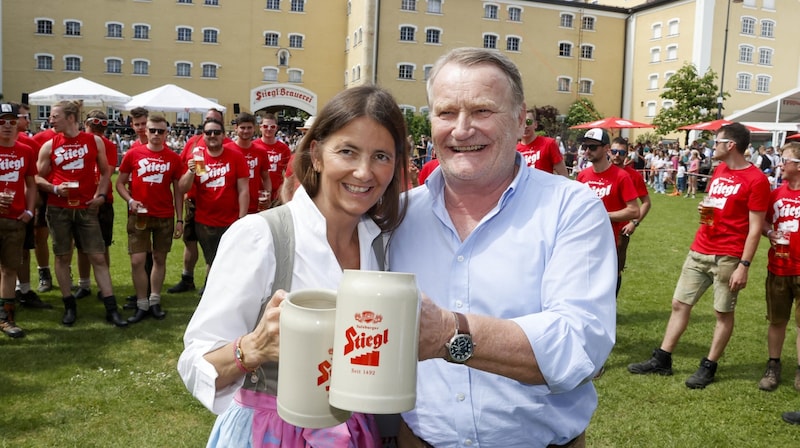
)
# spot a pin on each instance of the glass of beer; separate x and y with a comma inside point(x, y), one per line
point(782, 245)
point(199, 163)
point(6, 198)
point(141, 218)
point(707, 212)
point(71, 192)
point(263, 200)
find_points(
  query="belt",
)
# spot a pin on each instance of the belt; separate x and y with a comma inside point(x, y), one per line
point(407, 439)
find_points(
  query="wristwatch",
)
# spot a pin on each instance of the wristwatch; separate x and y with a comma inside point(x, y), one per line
point(744, 263)
point(460, 348)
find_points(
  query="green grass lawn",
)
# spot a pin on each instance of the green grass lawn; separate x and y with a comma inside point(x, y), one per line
point(94, 385)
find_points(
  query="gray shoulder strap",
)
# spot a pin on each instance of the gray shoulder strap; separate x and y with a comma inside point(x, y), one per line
point(380, 251)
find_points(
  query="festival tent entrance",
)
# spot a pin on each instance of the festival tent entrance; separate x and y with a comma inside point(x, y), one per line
point(91, 93)
point(778, 115)
point(171, 98)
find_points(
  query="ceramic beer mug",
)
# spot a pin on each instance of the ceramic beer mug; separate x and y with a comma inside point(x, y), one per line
point(304, 368)
point(375, 346)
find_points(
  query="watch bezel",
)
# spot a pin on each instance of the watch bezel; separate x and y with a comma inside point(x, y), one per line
point(460, 348)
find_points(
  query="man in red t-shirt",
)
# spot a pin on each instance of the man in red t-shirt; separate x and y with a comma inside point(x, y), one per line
point(17, 171)
point(256, 157)
point(612, 185)
point(720, 255)
point(148, 180)
point(221, 189)
point(539, 151)
point(278, 152)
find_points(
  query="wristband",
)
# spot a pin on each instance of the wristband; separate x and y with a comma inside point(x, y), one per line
point(769, 232)
point(103, 195)
point(55, 190)
point(130, 201)
point(180, 221)
point(29, 213)
point(635, 222)
point(238, 356)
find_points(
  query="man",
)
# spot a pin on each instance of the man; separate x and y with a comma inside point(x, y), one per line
point(504, 330)
point(139, 124)
point(612, 185)
point(619, 151)
point(145, 177)
point(221, 194)
point(71, 156)
point(256, 158)
point(278, 153)
point(190, 252)
point(17, 171)
point(539, 151)
point(720, 255)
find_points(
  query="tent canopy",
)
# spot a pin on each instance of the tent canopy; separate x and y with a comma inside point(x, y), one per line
point(779, 113)
point(90, 92)
point(171, 98)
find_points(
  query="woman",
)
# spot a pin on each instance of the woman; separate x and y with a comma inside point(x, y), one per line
point(693, 171)
point(351, 167)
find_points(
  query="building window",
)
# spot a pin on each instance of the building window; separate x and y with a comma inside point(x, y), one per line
point(653, 82)
point(669, 104)
point(210, 36)
point(183, 69)
point(209, 70)
point(72, 63)
point(673, 27)
point(490, 12)
point(762, 84)
point(743, 81)
point(295, 76)
point(651, 109)
point(295, 41)
point(565, 49)
point(433, 36)
point(360, 35)
point(587, 23)
point(655, 55)
point(765, 56)
point(141, 31)
point(515, 14)
point(211, 2)
point(407, 33)
point(767, 28)
point(512, 43)
point(298, 5)
point(746, 54)
point(43, 113)
point(585, 87)
point(405, 71)
point(490, 41)
point(44, 62)
point(426, 71)
point(187, 2)
point(672, 52)
point(435, 6)
point(44, 26)
point(72, 28)
point(184, 34)
point(271, 39)
point(141, 67)
point(274, 4)
point(408, 5)
point(566, 20)
point(668, 75)
point(657, 31)
point(114, 30)
point(270, 74)
point(358, 72)
point(769, 4)
point(587, 52)
point(748, 25)
point(283, 58)
point(114, 66)
point(564, 84)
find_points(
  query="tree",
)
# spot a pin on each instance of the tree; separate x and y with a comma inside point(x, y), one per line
point(694, 99)
point(547, 116)
point(417, 124)
point(582, 111)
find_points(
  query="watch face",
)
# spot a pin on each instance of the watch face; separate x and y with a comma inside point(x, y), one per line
point(461, 348)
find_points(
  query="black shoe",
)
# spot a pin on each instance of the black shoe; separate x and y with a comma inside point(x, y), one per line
point(130, 303)
point(139, 316)
point(704, 375)
point(116, 319)
point(82, 292)
point(186, 284)
point(45, 280)
point(660, 363)
point(791, 417)
point(157, 312)
point(31, 300)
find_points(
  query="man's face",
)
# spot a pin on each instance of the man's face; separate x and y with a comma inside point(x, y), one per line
point(140, 126)
point(475, 124)
point(58, 119)
point(269, 128)
point(213, 135)
point(8, 130)
point(214, 115)
point(23, 119)
point(530, 127)
point(156, 133)
point(245, 131)
point(618, 153)
point(595, 151)
point(722, 146)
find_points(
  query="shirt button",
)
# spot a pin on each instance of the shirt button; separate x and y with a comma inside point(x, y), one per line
point(459, 304)
point(460, 258)
point(468, 442)
point(460, 397)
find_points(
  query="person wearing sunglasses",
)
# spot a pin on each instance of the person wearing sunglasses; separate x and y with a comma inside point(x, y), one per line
point(720, 255)
point(539, 151)
point(222, 194)
point(255, 155)
point(278, 153)
point(17, 202)
point(614, 186)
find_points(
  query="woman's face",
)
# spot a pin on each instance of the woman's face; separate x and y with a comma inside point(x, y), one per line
point(356, 165)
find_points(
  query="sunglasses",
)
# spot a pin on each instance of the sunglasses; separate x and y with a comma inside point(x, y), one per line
point(591, 147)
point(4, 122)
point(157, 131)
point(528, 121)
point(722, 140)
point(211, 132)
point(269, 126)
point(25, 116)
point(99, 121)
point(619, 152)
point(785, 160)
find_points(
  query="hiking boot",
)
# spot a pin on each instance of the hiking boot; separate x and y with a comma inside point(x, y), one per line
point(70, 311)
point(82, 292)
point(45, 280)
point(660, 363)
point(772, 376)
point(7, 324)
point(704, 375)
point(186, 284)
point(797, 379)
point(791, 417)
point(31, 300)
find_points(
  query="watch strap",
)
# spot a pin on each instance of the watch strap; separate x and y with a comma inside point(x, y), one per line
point(462, 324)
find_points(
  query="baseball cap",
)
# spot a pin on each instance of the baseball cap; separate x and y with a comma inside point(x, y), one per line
point(8, 109)
point(597, 134)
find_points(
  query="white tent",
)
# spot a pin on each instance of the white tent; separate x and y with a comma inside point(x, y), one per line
point(171, 98)
point(778, 115)
point(90, 92)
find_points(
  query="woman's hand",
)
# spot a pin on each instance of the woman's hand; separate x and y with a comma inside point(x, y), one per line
point(263, 343)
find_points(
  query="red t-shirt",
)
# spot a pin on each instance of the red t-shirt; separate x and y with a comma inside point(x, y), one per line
point(542, 153)
point(152, 174)
point(257, 164)
point(278, 155)
point(217, 194)
point(784, 214)
point(43, 137)
point(426, 170)
point(735, 193)
point(16, 163)
point(74, 159)
point(614, 187)
point(638, 181)
point(111, 155)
